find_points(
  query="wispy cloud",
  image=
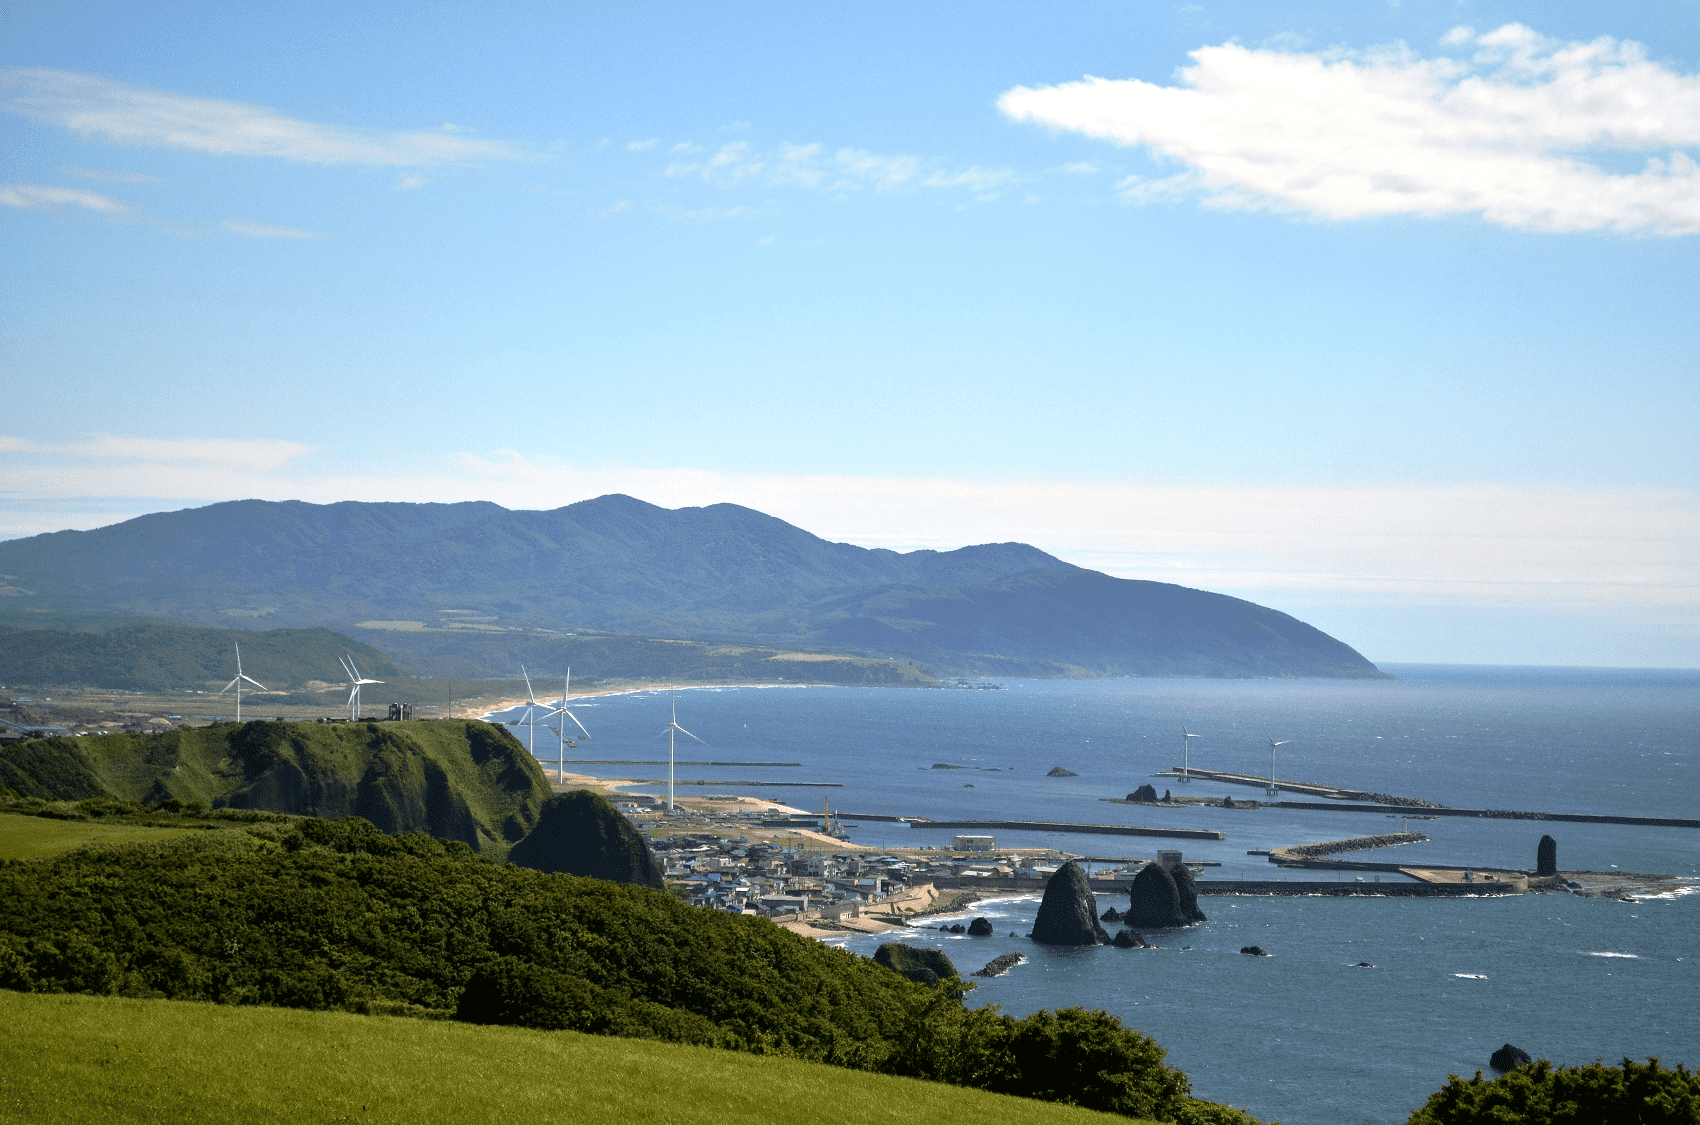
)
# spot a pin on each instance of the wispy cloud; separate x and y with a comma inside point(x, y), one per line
point(267, 230)
point(843, 171)
point(112, 177)
point(1511, 128)
point(410, 183)
point(260, 455)
point(134, 115)
point(642, 146)
point(45, 197)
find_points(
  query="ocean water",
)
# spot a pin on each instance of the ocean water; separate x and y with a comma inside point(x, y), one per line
point(1303, 1036)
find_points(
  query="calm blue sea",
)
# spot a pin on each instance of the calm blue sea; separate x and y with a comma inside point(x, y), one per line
point(1303, 1036)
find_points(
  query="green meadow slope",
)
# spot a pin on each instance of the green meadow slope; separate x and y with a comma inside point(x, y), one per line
point(453, 779)
point(81, 1060)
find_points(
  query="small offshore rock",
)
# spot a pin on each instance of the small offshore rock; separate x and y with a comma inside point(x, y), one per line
point(1068, 914)
point(1110, 915)
point(1227, 802)
point(979, 927)
point(1363, 965)
point(1145, 794)
point(1127, 939)
point(1253, 951)
point(923, 966)
point(1058, 771)
point(958, 928)
point(1509, 1058)
point(999, 965)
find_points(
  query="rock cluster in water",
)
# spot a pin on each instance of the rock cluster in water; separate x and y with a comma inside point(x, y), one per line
point(923, 966)
point(1068, 914)
point(999, 965)
point(580, 833)
point(1058, 771)
point(1145, 794)
point(1509, 1057)
point(1253, 951)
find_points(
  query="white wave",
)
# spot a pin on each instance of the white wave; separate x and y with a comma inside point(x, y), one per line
point(1631, 956)
point(1471, 976)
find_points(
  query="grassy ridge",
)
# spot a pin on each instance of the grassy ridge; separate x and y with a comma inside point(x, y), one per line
point(33, 837)
point(70, 1060)
point(450, 778)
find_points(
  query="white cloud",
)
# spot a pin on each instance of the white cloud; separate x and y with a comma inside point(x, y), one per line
point(642, 146)
point(112, 177)
point(134, 115)
point(1512, 132)
point(267, 230)
point(44, 197)
point(410, 183)
point(884, 172)
point(976, 179)
point(1079, 168)
point(262, 455)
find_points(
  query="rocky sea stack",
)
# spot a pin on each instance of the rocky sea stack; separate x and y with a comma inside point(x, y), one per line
point(1154, 902)
point(1059, 771)
point(580, 833)
point(1546, 856)
point(1145, 795)
point(1187, 891)
point(1068, 915)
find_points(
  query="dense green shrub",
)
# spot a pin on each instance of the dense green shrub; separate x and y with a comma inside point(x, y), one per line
point(315, 914)
point(1539, 1094)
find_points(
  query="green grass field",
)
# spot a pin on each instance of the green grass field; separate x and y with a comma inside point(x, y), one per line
point(75, 1059)
point(32, 837)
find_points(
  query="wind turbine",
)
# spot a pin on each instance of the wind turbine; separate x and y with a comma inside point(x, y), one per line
point(237, 682)
point(669, 730)
point(355, 679)
point(530, 717)
point(1272, 790)
point(1186, 743)
point(561, 751)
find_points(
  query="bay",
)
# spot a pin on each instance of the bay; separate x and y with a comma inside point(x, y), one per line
point(1304, 1035)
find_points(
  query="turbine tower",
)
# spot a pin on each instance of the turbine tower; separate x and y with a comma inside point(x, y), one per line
point(237, 682)
point(1186, 744)
point(670, 730)
point(1273, 791)
point(561, 751)
point(355, 679)
point(530, 716)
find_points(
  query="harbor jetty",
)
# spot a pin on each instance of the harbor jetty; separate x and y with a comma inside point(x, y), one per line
point(1060, 826)
point(1308, 788)
point(1494, 814)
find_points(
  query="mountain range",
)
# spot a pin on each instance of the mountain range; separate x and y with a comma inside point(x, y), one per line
point(462, 578)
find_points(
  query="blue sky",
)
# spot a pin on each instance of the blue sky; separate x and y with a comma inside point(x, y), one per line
point(1379, 314)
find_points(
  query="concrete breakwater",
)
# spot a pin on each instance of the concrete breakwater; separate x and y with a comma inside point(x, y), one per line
point(1354, 844)
point(1495, 814)
point(1352, 890)
point(1059, 826)
point(1309, 788)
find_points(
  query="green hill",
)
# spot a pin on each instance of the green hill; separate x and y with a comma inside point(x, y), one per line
point(450, 778)
point(81, 1060)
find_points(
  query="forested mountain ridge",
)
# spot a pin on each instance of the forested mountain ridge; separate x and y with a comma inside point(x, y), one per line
point(618, 565)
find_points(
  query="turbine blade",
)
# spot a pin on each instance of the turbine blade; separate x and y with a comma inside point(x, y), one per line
point(574, 718)
point(230, 685)
point(688, 734)
point(256, 683)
